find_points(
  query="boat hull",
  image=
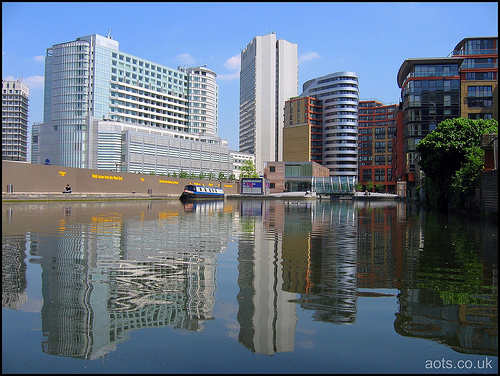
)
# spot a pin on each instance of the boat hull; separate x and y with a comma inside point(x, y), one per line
point(187, 196)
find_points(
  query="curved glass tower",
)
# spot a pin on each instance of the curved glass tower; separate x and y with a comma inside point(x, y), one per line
point(339, 93)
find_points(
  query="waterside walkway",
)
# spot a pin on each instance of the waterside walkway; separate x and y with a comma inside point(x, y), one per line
point(57, 196)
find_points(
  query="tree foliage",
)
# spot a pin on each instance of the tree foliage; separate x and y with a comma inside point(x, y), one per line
point(248, 170)
point(452, 160)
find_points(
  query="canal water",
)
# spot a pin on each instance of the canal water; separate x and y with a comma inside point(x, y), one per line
point(247, 286)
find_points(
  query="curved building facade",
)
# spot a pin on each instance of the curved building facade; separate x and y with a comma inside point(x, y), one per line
point(339, 93)
point(203, 104)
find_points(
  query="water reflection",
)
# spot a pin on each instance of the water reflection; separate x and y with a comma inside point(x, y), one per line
point(105, 273)
point(451, 293)
point(110, 268)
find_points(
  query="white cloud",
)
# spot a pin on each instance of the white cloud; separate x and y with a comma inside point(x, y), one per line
point(228, 77)
point(39, 58)
point(234, 62)
point(185, 59)
point(308, 56)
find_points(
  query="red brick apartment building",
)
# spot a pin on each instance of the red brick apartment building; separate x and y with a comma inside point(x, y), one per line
point(376, 131)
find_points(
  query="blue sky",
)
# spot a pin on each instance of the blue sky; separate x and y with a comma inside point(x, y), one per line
point(372, 39)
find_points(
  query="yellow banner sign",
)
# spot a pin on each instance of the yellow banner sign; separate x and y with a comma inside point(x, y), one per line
point(106, 177)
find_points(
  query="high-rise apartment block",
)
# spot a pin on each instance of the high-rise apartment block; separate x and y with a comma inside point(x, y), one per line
point(106, 109)
point(15, 120)
point(303, 130)
point(376, 130)
point(464, 84)
point(268, 77)
point(478, 77)
point(430, 93)
point(203, 103)
point(339, 93)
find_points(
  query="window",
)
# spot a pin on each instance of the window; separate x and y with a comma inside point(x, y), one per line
point(479, 91)
point(479, 76)
point(272, 168)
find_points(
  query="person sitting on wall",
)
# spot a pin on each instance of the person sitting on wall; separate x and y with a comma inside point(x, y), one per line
point(67, 189)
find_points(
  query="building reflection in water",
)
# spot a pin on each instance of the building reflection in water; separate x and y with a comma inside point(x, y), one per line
point(108, 270)
point(113, 274)
point(330, 261)
point(451, 293)
point(291, 248)
point(266, 313)
point(447, 292)
point(13, 272)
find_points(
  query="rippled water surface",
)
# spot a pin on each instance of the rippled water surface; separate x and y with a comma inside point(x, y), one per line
point(247, 286)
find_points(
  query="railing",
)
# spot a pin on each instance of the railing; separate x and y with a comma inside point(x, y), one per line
point(469, 65)
point(493, 51)
point(334, 185)
point(487, 94)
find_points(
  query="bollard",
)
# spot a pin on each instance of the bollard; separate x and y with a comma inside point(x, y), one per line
point(10, 188)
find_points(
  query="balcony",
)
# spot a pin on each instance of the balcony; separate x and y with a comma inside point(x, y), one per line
point(487, 94)
point(471, 65)
point(493, 51)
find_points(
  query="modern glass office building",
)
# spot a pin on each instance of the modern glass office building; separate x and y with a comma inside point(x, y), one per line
point(97, 98)
point(15, 104)
point(268, 77)
point(339, 93)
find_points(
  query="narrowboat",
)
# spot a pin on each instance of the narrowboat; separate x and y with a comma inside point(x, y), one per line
point(193, 192)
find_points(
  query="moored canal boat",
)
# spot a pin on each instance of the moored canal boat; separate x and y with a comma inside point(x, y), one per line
point(195, 192)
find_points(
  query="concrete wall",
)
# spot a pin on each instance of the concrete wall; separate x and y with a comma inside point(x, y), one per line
point(27, 177)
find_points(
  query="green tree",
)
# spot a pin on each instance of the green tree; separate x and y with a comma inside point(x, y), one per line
point(221, 176)
point(379, 187)
point(369, 185)
point(359, 187)
point(248, 170)
point(232, 177)
point(183, 174)
point(451, 159)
